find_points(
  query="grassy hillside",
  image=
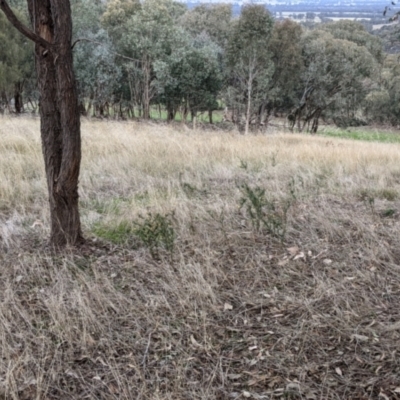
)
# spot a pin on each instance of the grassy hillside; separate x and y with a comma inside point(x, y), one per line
point(218, 266)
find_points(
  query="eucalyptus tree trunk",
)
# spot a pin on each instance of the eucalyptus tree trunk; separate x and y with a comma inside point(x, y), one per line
point(248, 108)
point(146, 68)
point(18, 104)
point(59, 112)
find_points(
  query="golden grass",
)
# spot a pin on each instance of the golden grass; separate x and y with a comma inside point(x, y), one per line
point(232, 312)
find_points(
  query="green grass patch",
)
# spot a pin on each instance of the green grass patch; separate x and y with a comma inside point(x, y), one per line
point(368, 136)
point(117, 234)
point(154, 231)
point(388, 194)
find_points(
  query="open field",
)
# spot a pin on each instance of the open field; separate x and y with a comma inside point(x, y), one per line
point(218, 266)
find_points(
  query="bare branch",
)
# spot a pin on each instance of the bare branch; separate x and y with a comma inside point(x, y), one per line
point(102, 44)
point(21, 27)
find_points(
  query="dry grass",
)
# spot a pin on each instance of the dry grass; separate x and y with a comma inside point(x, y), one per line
point(232, 312)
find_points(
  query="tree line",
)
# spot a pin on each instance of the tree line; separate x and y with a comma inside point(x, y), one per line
point(132, 57)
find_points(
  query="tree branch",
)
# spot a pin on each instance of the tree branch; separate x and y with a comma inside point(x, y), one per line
point(101, 44)
point(21, 27)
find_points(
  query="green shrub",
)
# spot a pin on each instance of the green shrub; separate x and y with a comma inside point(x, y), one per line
point(266, 212)
point(156, 231)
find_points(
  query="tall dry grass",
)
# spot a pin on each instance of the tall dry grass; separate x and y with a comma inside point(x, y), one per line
point(233, 312)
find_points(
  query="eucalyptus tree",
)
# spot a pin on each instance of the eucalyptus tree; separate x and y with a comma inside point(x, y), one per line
point(249, 61)
point(335, 69)
point(382, 103)
point(116, 14)
point(150, 36)
point(16, 64)
point(286, 54)
point(190, 78)
point(60, 124)
point(212, 19)
point(97, 79)
point(356, 33)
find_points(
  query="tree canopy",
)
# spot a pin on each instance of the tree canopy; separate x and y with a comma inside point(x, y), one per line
point(134, 57)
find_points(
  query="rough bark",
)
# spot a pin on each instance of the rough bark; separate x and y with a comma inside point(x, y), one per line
point(18, 104)
point(146, 92)
point(248, 109)
point(59, 112)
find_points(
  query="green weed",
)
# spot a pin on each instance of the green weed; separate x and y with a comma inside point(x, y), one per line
point(385, 194)
point(266, 212)
point(388, 194)
point(243, 164)
point(156, 231)
point(388, 213)
point(192, 191)
point(273, 157)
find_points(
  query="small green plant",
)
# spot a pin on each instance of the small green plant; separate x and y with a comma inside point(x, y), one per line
point(292, 187)
point(192, 191)
point(274, 156)
point(266, 213)
point(388, 213)
point(371, 203)
point(388, 194)
point(156, 231)
point(244, 165)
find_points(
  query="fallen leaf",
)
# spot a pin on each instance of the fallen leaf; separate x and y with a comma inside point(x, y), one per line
point(194, 341)
point(228, 306)
point(71, 373)
point(311, 396)
point(338, 371)
point(246, 394)
point(37, 223)
point(113, 389)
point(293, 387)
point(293, 250)
point(300, 255)
point(234, 377)
point(327, 261)
point(282, 263)
point(359, 338)
point(31, 381)
point(257, 379)
point(397, 390)
point(18, 278)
